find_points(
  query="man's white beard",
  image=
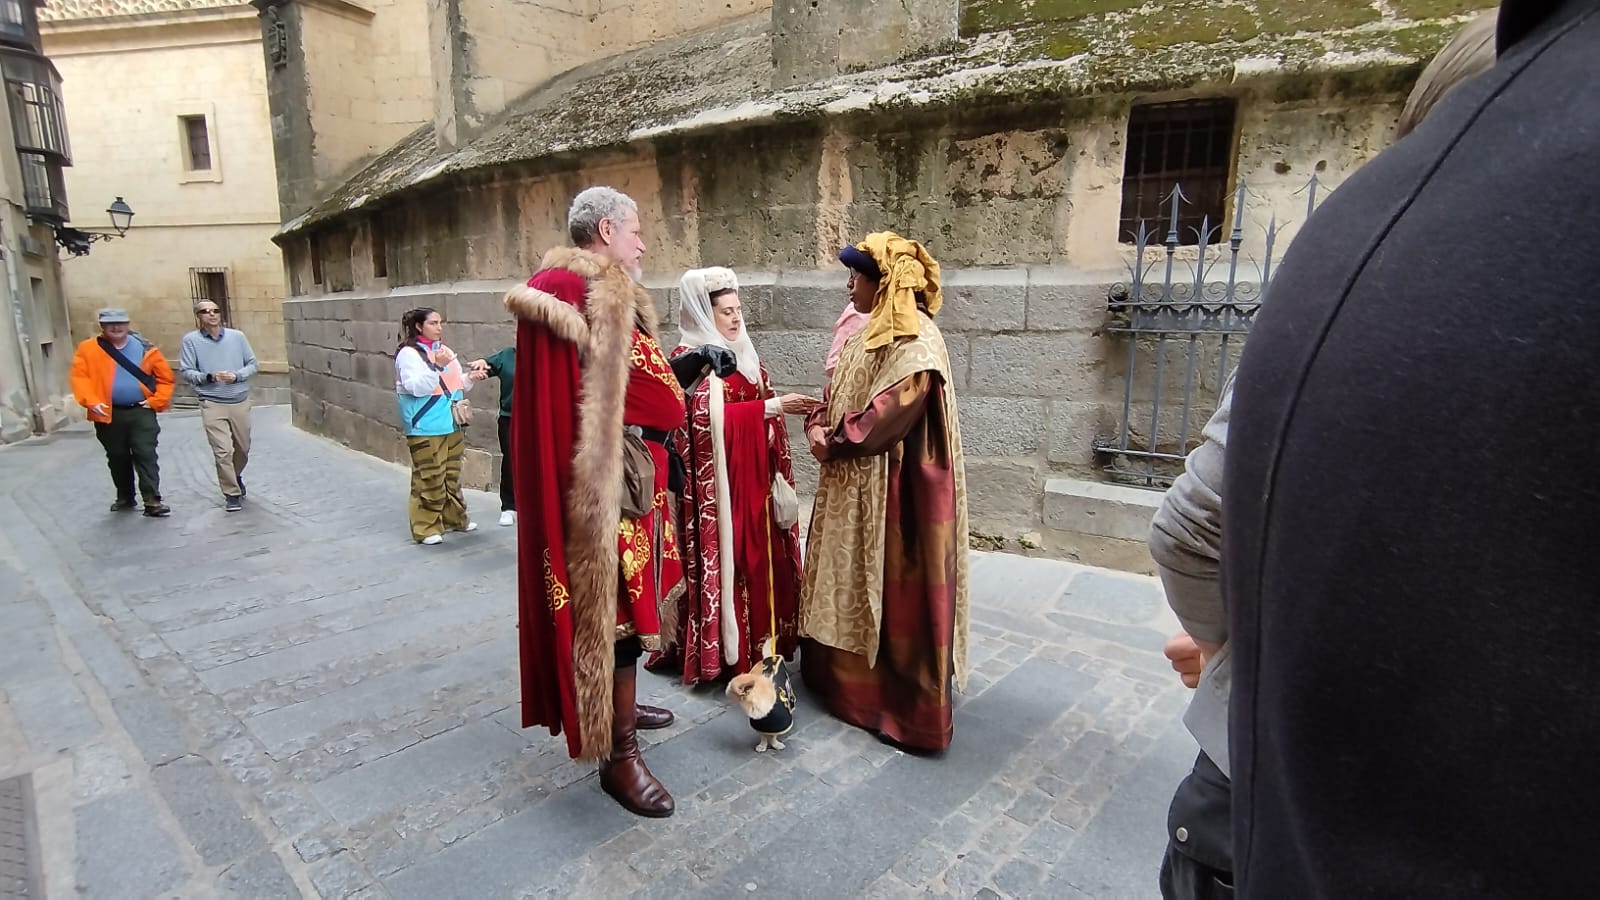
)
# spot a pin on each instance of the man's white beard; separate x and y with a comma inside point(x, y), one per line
point(637, 272)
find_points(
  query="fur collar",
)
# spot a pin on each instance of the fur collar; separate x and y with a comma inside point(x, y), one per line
point(609, 284)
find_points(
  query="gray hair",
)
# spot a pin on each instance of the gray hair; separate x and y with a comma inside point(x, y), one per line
point(1470, 52)
point(592, 205)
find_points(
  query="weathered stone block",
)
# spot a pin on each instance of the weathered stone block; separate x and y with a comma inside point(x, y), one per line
point(374, 369)
point(1102, 510)
point(1074, 428)
point(1067, 300)
point(396, 306)
point(1003, 495)
point(342, 364)
point(477, 469)
point(377, 337)
point(805, 465)
point(985, 300)
point(997, 426)
point(958, 347)
point(378, 403)
point(368, 309)
point(1061, 365)
point(809, 299)
point(340, 336)
point(339, 310)
point(795, 357)
point(493, 337)
point(478, 307)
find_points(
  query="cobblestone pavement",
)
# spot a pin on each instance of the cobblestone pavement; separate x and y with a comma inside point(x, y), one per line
point(296, 700)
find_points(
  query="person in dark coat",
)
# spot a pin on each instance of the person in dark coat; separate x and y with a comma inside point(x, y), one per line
point(1407, 560)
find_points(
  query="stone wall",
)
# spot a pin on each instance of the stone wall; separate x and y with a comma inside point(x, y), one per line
point(1033, 379)
point(1020, 204)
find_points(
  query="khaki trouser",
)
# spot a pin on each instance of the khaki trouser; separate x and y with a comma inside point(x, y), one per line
point(436, 502)
point(228, 431)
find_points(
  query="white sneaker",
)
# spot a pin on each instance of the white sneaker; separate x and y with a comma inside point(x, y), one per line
point(470, 526)
point(432, 539)
point(508, 517)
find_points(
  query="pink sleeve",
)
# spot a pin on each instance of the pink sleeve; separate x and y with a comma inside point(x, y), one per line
point(850, 322)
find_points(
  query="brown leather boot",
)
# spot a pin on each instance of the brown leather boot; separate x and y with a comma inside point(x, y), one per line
point(649, 717)
point(624, 775)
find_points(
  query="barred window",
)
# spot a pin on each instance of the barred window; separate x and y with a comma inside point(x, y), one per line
point(211, 283)
point(1186, 144)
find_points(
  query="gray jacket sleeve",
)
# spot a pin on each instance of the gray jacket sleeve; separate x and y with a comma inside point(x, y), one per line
point(1186, 534)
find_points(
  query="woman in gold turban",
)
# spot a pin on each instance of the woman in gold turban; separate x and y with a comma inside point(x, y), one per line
point(883, 607)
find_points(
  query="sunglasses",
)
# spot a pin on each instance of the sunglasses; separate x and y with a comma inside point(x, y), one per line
point(207, 312)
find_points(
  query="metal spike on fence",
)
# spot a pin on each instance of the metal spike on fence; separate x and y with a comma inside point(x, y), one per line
point(1266, 261)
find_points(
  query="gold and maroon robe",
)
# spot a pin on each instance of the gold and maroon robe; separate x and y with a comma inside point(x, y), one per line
point(883, 608)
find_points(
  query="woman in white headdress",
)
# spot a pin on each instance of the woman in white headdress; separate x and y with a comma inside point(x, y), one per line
point(741, 543)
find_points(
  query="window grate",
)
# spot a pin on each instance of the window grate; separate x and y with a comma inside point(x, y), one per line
point(1188, 144)
point(211, 283)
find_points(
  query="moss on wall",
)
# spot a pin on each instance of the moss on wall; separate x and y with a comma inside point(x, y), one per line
point(991, 15)
point(1159, 25)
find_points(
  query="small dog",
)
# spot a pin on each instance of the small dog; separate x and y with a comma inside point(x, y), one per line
point(766, 697)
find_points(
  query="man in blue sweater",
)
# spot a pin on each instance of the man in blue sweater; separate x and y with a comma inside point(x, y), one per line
point(219, 363)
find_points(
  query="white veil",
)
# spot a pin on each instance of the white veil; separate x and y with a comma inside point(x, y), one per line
point(697, 325)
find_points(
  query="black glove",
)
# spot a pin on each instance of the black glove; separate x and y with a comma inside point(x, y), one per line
point(688, 366)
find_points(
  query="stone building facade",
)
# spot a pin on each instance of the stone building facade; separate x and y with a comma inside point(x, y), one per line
point(35, 337)
point(1021, 142)
point(167, 104)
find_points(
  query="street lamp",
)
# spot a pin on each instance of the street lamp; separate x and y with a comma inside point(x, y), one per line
point(76, 241)
point(121, 215)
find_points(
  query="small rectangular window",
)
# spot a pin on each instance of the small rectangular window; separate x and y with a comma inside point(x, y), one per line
point(316, 258)
point(211, 283)
point(1187, 145)
point(197, 143)
point(380, 248)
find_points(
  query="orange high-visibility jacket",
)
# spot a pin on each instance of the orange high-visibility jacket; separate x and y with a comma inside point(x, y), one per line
point(93, 372)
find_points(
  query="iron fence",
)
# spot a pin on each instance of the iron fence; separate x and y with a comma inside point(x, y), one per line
point(1183, 332)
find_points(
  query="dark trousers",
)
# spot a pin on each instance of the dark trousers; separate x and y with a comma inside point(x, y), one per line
point(130, 442)
point(1199, 861)
point(508, 500)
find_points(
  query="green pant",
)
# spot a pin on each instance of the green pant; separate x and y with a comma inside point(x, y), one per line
point(130, 442)
point(436, 502)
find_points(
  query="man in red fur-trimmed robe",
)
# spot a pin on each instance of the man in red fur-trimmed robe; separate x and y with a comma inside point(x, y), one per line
point(591, 584)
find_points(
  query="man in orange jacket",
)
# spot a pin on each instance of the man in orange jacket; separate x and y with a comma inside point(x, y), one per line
point(123, 381)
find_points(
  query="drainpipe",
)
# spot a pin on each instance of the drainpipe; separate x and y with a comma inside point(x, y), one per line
point(22, 333)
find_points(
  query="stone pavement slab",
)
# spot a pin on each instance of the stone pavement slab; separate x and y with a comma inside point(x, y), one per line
point(296, 700)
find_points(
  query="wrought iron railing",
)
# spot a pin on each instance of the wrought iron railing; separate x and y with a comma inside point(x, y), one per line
point(1181, 328)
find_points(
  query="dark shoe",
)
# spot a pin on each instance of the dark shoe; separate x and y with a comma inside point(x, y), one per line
point(122, 505)
point(651, 717)
point(624, 775)
point(234, 504)
point(157, 510)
